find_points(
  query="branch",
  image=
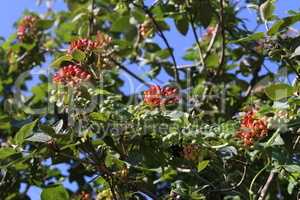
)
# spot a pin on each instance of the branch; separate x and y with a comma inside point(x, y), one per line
point(253, 82)
point(292, 67)
point(154, 4)
point(208, 50)
point(296, 142)
point(266, 187)
point(91, 19)
point(212, 41)
point(111, 186)
point(187, 66)
point(235, 186)
point(255, 177)
point(222, 58)
point(192, 22)
point(162, 35)
point(76, 159)
point(289, 63)
point(129, 72)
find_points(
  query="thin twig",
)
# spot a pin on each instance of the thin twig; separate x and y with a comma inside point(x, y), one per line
point(296, 142)
point(91, 19)
point(289, 63)
point(208, 50)
point(76, 159)
point(292, 67)
point(188, 66)
point(212, 41)
point(163, 37)
point(255, 177)
point(266, 187)
point(235, 186)
point(194, 171)
point(129, 72)
point(111, 186)
point(154, 4)
point(253, 82)
point(222, 58)
point(192, 22)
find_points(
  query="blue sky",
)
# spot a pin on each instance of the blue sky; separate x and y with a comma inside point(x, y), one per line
point(11, 10)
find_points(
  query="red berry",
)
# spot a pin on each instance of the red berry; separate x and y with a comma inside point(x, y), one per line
point(157, 96)
point(82, 45)
point(27, 27)
point(71, 75)
point(252, 128)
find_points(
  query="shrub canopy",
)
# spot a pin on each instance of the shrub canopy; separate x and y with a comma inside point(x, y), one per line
point(96, 95)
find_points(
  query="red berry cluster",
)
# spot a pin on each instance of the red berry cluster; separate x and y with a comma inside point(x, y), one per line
point(27, 27)
point(71, 75)
point(252, 128)
point(191, 152)
point(83, 45)
point(157, 96)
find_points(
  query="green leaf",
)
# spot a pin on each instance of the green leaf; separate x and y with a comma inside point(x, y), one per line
point(278, 141)
point(138, 15)
point(47, 129)
point(182, 25)
point(255, 36)
point(28, 47)
point(291, 186)
point(180, 187)
point(39, 92)
point(212, 61)
point(120, 24)
point(112, 160)
point(283, 23)
point(39, 137)
point(10, 39)
point(99, 91)
point(203, 11)
point(61, 59)
point(296, 52)
point(168, 175)
point(266, 10)
point(45, 24)
point(24, 132)
point(292, 168)
point(101, 181)
point(79, 16)
point(279, 91)
point(4, 125)
point(202, 165)
point(191, 55)
point(97, 116)
point(64, 31)
point(275, 28)
point(56, 192)
point(78, 55)
point(6, 152)
point(58, 126)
